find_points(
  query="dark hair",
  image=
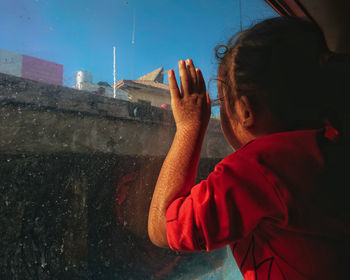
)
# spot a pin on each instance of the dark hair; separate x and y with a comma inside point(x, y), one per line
point(282, 63)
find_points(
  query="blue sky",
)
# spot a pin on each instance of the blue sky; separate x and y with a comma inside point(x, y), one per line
point(81, 34)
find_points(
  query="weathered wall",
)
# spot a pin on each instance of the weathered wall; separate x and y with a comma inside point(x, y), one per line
point(77, 174)
point(43, 119)
point(157, 98)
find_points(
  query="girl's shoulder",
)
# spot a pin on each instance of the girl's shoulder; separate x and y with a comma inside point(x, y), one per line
point(280, 146)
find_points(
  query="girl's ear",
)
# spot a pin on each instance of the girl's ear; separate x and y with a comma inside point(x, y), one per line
point(246, 113)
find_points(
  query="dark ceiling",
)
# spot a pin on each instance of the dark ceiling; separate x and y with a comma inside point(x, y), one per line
point(331, 15)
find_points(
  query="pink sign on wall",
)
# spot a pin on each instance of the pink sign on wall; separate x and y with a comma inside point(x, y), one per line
point(42, 71)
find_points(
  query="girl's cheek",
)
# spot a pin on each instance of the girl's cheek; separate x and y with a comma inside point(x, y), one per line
point(227, 129)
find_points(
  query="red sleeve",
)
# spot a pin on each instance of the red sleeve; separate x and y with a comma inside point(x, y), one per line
point(222, 209)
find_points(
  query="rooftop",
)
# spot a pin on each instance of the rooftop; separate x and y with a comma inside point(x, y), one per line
point(153, 80)
point(141, 84)
point(155, 76)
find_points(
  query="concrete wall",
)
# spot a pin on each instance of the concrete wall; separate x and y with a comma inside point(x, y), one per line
point(156, 96)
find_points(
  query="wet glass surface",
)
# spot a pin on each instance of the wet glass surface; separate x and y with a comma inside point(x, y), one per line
point(78, 166)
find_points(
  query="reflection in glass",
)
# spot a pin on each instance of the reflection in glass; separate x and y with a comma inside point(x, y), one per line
point(78, 163)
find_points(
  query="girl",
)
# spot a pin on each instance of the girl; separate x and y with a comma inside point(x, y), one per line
point(279, 200)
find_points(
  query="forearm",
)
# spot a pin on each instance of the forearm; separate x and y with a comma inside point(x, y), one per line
point(191, 110)
point(176, 178)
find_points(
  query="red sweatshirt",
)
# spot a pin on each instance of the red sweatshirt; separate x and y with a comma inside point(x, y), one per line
point(273, 203)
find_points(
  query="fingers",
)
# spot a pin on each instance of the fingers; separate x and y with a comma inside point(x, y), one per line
point(200, 81)
point(185, 79)
point(192, 80)
point(174, 89)
point(208, 102)
point(193, 76)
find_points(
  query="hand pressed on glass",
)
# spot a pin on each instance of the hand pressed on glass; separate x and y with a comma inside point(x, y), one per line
point(191, 110)
point(191, 105)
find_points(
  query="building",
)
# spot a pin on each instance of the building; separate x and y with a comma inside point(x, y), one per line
point(84, 81)
point(29, 67)
point(148, 89)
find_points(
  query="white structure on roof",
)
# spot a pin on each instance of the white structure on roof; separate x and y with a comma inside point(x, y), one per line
point(83, 79)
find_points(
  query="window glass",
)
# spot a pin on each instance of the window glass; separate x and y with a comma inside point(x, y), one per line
point(85, 124)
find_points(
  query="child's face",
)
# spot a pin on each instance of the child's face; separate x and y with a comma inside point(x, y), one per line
point(237, 118)
point(229, 124)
